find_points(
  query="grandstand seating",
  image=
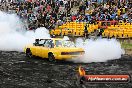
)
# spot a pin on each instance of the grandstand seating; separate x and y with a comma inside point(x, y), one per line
point(120, 30)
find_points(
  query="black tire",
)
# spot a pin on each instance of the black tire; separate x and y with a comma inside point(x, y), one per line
point(29, 53)
point(51, 58)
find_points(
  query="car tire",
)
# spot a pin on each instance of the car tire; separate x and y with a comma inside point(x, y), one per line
point(29, 53)
point(51, 58)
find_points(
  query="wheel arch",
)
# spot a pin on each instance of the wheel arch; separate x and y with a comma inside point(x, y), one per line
point(50, 53)
point(28, 49)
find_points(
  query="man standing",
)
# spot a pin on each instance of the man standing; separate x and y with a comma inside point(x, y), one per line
point(82, 74)
point(85, 31)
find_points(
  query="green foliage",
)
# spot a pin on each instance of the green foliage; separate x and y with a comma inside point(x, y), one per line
point(126, 45)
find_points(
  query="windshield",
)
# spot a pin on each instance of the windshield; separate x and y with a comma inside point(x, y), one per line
point(64, 43)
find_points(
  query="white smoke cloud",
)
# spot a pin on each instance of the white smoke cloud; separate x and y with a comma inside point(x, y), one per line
point(99, 50)
point(13, 36)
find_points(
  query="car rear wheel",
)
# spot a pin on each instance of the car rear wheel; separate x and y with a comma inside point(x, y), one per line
point(29, 53)
point(51, 58)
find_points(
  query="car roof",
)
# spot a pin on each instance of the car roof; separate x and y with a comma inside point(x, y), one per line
point(56, 39)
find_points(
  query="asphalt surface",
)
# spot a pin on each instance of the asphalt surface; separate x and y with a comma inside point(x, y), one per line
point(18, 71)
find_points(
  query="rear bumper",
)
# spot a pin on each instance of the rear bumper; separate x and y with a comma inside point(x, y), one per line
point(66, 57)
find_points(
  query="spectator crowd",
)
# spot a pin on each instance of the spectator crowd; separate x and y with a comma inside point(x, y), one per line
point(51, 13)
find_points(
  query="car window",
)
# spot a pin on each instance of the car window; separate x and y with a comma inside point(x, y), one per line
point(68, 43)
point(64, 43)
point(58, 43)
point(41, 42)
point(49, 43)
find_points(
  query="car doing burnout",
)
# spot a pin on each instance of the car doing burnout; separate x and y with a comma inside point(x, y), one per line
point(54, 48)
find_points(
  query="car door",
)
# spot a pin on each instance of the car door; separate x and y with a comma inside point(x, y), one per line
point(33, 50)
point(46, 48)
point(34, 47)
point(39, 47)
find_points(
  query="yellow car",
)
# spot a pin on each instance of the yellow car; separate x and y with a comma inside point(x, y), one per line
point(53, 48)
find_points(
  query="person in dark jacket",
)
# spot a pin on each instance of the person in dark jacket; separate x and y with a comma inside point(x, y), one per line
point(85, 31)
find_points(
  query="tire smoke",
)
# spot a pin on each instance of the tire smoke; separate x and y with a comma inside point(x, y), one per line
point(13, 34)
point(100, 50)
